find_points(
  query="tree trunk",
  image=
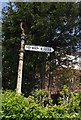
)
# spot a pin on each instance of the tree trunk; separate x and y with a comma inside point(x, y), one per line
point(42, 73)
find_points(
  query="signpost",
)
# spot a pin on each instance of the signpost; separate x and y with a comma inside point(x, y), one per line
point(39, 48)
point(21, 55)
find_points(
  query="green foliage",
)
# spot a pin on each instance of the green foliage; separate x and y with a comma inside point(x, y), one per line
point(74, 105)
point(17, 107)
point(0, 101)
point(40, 95)
point(13, 105)
point(64, 95)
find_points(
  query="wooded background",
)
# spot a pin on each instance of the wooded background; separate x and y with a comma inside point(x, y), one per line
point(57, 25)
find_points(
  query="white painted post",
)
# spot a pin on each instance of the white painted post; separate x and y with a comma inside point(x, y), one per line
point(20, 67)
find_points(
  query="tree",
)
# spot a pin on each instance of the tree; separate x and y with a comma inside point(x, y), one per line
point(48, 24)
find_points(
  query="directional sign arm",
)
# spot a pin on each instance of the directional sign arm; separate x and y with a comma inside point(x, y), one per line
point(39, 48)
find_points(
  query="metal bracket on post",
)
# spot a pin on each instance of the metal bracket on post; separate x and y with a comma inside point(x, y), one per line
point(21, 55)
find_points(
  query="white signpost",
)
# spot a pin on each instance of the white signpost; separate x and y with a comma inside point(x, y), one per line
point(21, 55)
point(39, 48)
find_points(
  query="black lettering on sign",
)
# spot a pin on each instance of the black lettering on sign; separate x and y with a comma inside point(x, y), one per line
point(41, 48)
point(47, 49)
point(34, 47)
point(28, 47)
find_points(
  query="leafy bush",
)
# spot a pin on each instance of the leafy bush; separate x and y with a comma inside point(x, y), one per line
point(74, 105)
point(41, 96)
point(17, 107)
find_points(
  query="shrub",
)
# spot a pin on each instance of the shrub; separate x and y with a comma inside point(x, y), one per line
point(17, 107)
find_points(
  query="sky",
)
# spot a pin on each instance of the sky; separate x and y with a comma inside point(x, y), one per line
point(2, 4)
point(0, 8)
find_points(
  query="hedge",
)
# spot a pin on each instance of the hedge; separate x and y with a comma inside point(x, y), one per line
point(18, 107)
